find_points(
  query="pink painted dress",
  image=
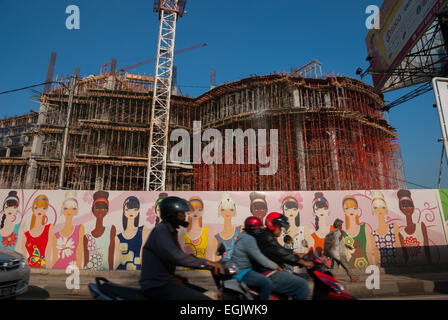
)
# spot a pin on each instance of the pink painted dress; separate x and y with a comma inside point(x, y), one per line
point(67, 248)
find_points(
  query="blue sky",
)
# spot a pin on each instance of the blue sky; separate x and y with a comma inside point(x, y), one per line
point(243, 37)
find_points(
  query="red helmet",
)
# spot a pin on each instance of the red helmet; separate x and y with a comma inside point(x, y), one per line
point(276, 218)
point(252, 223)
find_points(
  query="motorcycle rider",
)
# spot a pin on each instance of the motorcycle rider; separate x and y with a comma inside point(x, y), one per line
point(283, 282)
point(245, 251)
point(162, 253)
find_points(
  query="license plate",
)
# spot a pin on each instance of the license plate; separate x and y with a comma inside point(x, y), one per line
point(7, 291)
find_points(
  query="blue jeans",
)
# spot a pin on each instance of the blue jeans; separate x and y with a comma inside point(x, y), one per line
point(257, 280)
point(290, 284)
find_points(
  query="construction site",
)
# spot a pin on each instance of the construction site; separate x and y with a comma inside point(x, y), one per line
point(331, 131)
point(111, 131)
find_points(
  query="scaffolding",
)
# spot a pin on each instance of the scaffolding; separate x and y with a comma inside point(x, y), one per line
point(331, 134)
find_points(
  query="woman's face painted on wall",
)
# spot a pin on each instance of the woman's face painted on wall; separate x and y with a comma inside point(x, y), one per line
point(100, 210)
point(259, 210)
point(407, 207)
point(351, 211)
point(10, 211)
point(40, 211)
point(131, 213)
point(196, 213)
point(291, 212)
point(321, 212)
point(69, 211)
point(227, 213)
point(379, 208)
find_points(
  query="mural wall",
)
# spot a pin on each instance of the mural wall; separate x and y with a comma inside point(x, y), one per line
point(106, 230)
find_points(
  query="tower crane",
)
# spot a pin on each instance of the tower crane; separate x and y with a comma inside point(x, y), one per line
point(132, 66)
point(169, 11)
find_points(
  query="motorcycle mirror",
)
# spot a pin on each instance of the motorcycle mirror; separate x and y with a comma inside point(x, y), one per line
point(221, 250)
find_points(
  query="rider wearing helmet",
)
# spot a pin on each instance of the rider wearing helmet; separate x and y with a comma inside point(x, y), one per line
point(283, 282)
point(162, 253)
point(245, 251)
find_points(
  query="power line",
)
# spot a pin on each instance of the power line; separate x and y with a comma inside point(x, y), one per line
point(28, 87)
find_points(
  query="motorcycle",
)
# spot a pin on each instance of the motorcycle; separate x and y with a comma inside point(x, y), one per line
point(326, 286)
point(103, 289)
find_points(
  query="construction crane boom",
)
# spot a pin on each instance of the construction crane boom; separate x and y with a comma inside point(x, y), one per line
point(196, 46)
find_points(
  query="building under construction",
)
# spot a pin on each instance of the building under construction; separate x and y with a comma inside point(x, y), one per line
point(332, 136)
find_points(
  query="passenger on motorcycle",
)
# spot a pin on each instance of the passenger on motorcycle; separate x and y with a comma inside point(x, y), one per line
point(162, 253)
point(283, 282)
point(246, 251)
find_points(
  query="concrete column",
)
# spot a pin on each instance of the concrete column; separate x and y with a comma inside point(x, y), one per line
point(99, 178)
point(334, 158)
point(380, 171)
point(31, 174)
point(301, 152)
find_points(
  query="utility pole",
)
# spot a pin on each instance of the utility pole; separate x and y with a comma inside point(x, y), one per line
point(67, 125)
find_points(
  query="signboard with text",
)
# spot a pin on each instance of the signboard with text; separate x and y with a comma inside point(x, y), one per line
point(402, 23)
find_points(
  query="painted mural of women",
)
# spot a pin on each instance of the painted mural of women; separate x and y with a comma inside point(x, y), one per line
point(162, 196)
point(414, 236)
point(9, 221)
point(358, 236)
point(321, 211)
point(258, 205)
point(195, 240)
point(386, 235)
point(229, 234)
point(299, 234)
point(68, 243)
point(130, 241)
point(38, 241)
point(99, 245)
point(9, 228)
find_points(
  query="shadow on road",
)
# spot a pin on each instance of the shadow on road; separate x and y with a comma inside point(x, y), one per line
point(34, 293)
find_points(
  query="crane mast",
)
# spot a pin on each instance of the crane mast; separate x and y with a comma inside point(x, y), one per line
point(169, 11)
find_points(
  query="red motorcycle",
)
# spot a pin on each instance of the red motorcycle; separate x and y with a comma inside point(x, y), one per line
point(326, 286)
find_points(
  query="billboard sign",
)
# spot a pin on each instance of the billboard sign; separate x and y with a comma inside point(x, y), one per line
point(440, 86)
point(402, 23)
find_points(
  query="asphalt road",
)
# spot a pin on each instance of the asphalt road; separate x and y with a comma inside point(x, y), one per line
point(52, 286)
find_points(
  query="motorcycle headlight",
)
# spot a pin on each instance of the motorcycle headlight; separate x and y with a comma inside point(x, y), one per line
point(22, 263)
point(339, 287)
point(231, 268)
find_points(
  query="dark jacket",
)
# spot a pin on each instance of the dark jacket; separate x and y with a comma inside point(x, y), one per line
point(161, 254)
point(270, 247)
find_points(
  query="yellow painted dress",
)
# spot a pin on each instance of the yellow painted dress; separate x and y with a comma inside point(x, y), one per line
point(197, 247)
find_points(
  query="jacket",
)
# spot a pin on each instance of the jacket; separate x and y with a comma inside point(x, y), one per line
point(161, 254)
point(270, 247)
point(246, 251)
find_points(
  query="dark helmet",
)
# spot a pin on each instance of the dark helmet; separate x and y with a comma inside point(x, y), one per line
point(252, 223)
point(276, 218)
point(170, 207)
